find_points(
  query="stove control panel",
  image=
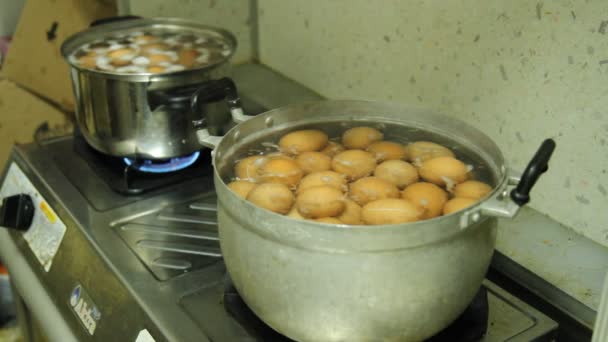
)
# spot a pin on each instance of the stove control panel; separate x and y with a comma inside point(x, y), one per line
point(25, 209)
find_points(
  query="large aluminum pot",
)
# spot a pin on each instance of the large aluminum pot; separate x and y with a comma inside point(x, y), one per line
point(142, 115)
point(322, 282)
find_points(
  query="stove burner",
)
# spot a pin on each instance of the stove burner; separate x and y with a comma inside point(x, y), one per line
point(167, 165)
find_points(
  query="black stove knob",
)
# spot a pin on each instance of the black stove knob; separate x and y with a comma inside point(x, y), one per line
point(17, 212)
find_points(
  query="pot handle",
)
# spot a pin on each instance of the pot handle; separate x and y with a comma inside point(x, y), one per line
point(507, 204)
point(211, 91)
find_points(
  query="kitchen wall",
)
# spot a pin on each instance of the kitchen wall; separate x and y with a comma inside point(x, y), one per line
point(519, 70)
point(234, 16)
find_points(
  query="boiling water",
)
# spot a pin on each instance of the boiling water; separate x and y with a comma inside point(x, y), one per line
point(392, 132)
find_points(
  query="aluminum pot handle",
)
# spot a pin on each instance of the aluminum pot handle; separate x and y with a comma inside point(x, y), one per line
point(211, 91)
point(507, 204)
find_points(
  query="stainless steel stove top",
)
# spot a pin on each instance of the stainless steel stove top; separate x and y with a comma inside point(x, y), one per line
point(149, 267)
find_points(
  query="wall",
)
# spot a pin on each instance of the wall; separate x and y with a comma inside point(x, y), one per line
point(519, 70)
point(234, 16)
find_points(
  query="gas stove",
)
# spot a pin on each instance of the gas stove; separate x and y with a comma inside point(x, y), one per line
point(117, 253)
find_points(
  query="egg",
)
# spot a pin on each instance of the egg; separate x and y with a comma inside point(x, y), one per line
point(155, 69)
point(120, 53)
point(187, 57)
point(241, 188)
point(159, 58)
point(444, 171)
point(370, 189)
point(280, 170)
point(390, 211)
point(320, 201)
point(386, 150)
point(354, 163)
point(247, 168)
point(306, 140)
point(332, 148)
point(313, 162)
point(329, 178)
point(361, 137)
point(275, 197)
point(472, 189)
point(88, 61)
point(145, 38)
point(351, 214)
point(457, 204)
point(428, 196)
point(421, 151)
point(295, 214)
point(329, 220)
point(398, 172)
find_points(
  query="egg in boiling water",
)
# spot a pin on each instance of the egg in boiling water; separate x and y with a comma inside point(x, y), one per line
point(306, 140)
point(391, 211)
point(361, 137)
point(275, 197)
point(354, 163)
point(369, 189)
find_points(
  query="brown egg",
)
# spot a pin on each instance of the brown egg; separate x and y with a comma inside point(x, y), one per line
point(387, 150)
point(398, 172)
point(295, 214)
point(391, 211)
point(145, 38)
point(277, 155)
point(444, 171)
point(354, 163)
point(428, 196)
point(89, 62)
point(421, 151)
point(472, 189)
point(120, 53)
point(187, 57)
point(119, 62)
point(351, 213)
point(329, 220)
point(320, 201)
point(272, 196)
point(329, 178)
point(457, 204)
point(280, 170)
point(370, 189)
point(313, 162)
point(361, 137)
point(332, 148)
point(241, 188)
point(159, 58)
point(247, 168)
point(155, 69)
point(306, 140)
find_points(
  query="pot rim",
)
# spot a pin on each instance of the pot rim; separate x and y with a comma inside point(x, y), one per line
point(76, 40)
point(414, 228)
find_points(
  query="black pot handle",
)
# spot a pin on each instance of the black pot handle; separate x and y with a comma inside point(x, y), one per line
point(216, 90)
point(536, 167)
point(108, 20)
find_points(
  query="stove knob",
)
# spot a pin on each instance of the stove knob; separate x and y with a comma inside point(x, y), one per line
point(17, 212)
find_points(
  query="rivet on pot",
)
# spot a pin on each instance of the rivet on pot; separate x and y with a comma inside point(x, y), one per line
point(237, 136)
point(475, 217)
point(269, 122)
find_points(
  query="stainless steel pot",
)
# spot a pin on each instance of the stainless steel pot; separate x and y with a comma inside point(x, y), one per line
point(322, 282)
point(145, 115)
